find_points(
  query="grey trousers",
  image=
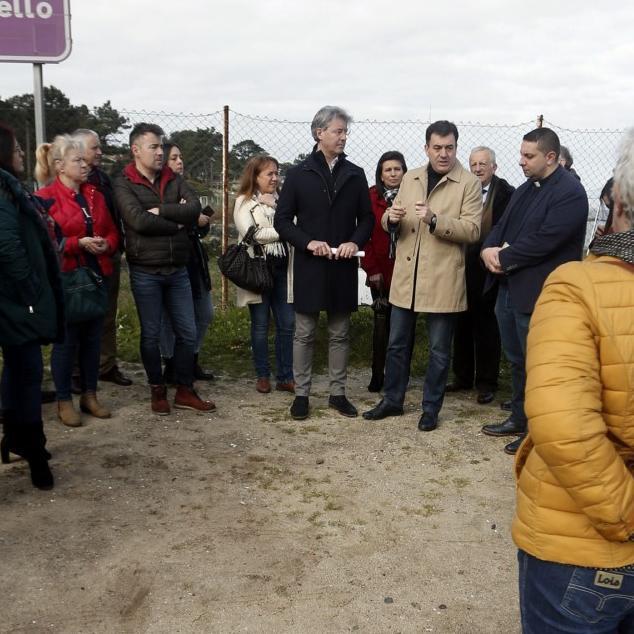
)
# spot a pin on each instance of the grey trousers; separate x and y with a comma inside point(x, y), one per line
point(338, 351)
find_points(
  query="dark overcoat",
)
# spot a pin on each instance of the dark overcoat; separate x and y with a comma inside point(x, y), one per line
point(552, 232)
point(31, 297)
point(334, 208)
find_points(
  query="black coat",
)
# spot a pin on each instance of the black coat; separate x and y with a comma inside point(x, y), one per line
point(552, 232)
point(500, 192)
point(31, 296)
point(334, 208)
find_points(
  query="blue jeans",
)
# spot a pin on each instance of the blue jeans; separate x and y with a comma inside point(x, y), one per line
point(83, 342)
point(203, 313)
point(440, 328)
point(152, 292)
point(22, 383)
point(559, 598)
point(513, 334)
point(284, 316)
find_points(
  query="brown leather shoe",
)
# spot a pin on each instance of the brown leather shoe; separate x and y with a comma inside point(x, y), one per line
point(186, 398)
point(263, 385)
point(285, 386)
point(160, 404)
point(89, 404)
point(67, 414)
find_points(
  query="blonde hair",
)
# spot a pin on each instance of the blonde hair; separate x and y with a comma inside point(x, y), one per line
point(47, 153)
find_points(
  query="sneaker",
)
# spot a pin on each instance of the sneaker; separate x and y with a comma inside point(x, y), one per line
point(186, 398)
point(160, 404)
point(299, 408)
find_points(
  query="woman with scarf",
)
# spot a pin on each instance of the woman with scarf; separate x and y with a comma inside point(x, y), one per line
point(574, 522)
point(87, 237)
point(255, 205)
point(31, 311)
point(378, 262)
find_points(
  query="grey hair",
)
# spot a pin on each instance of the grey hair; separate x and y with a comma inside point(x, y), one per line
point(566, 156)
point(325, 115)
point(624, 174)
point(484, 148)
point(82, 132)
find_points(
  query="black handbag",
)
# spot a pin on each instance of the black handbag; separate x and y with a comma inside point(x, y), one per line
point(85, 295)
point(85, 292)
point(250, 273)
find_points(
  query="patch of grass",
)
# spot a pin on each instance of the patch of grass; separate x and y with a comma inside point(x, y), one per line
point(331, 505)
point(461, 483)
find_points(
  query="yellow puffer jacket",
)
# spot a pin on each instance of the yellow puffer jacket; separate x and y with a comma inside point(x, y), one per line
point(575, 497)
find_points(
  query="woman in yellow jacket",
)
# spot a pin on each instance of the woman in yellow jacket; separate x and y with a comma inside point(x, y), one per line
point(574, 523)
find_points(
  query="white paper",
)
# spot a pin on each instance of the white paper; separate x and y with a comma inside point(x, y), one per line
point(358, 254)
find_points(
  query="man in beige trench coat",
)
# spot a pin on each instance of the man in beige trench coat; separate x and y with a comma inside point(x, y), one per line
point(436, 212)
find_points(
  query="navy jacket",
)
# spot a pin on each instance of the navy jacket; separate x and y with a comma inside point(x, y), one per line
point(552, 232)
point(343, 214)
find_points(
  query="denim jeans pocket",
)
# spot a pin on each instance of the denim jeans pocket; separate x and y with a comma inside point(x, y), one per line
point(594, 594)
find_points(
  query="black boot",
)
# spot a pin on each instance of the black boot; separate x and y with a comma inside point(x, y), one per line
point(201, 374)
point(29, 441)
point(168, 371)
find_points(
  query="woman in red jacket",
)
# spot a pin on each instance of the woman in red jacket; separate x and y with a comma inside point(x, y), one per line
point(87, 237)
point(377, 262)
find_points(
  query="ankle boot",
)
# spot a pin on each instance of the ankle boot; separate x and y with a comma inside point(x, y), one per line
point(187, 398)
point(89, 404)
point(67, 414)
point(200, 374)
point(160, 404)
point(13, 440)
point(29, 441)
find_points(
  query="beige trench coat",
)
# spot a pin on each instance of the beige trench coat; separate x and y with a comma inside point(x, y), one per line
point(436, 260)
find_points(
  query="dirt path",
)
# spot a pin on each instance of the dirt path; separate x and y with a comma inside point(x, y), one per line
point(246, 521)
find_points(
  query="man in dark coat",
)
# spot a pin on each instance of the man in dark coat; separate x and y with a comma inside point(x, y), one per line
point(543, 226)
point(108, 368)
point(324, 211)
point(476, 343)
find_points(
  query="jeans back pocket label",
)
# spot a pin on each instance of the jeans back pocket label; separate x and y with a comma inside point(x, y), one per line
point(608, 580)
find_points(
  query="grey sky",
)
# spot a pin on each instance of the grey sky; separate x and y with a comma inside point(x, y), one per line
point(489, 61)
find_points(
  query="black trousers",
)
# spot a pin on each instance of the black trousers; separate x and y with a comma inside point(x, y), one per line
point(476, 344)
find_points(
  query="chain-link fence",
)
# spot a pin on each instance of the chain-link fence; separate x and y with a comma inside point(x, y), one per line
point(214, 162)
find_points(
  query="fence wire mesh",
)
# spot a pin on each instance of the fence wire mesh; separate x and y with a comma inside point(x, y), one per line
point(200, 137)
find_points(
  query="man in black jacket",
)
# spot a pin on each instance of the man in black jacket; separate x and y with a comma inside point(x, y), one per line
point(476, 343)
point(543, 226)
point(108, 369)
point(324, 211)
point(157, 208)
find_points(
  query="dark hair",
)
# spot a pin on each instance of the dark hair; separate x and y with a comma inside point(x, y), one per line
point(7, 148)
point(167, 148)
point(547, 141)
point(564, 153)
point(606, 192)
point(441, 128)
point(252, 170)
point(392, 155)
point(145, 128)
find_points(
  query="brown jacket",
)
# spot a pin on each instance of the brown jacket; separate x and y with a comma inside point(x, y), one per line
point(436, 260)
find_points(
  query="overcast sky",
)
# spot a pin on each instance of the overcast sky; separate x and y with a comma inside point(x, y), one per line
point(488, 61)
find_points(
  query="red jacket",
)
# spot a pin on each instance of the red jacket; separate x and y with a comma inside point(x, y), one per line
point(67, 213)
point(377, 248)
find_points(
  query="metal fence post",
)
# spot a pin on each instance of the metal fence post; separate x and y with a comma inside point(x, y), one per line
point(225, 199)
point(540, 120)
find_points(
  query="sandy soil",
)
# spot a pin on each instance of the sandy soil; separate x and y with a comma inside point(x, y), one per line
point(247, 521)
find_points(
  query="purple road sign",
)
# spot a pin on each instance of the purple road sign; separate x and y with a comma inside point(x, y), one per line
point(34, 31)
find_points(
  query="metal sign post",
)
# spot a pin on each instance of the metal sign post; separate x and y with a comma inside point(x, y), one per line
point(38, 104)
